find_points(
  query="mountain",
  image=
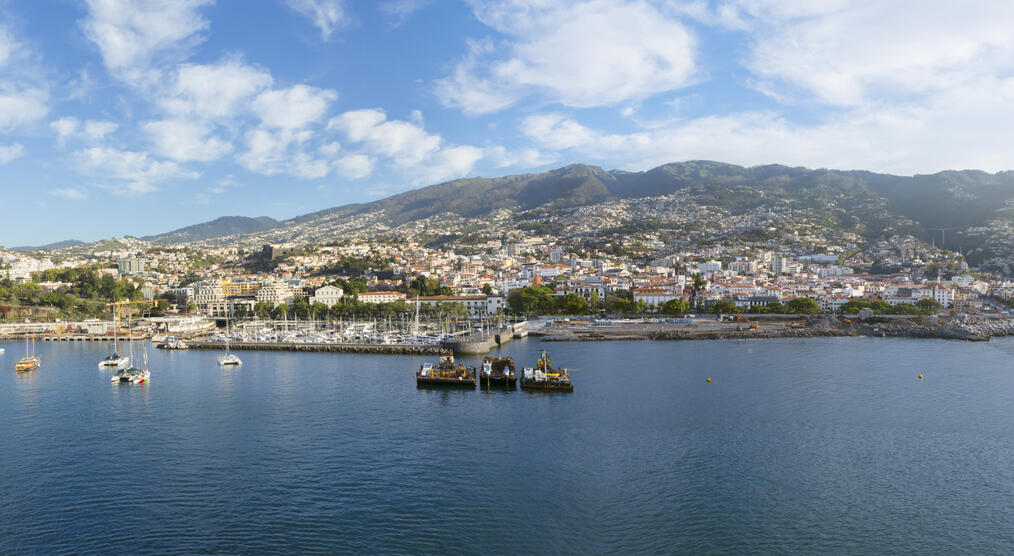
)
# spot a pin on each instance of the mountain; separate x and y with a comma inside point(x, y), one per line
point(219, 227)
point(51, 246)
point(951, 208)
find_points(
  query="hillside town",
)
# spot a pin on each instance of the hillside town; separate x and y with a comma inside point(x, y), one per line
point(659, 274)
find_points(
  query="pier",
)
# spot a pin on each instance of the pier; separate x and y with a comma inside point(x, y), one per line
point(394, 349)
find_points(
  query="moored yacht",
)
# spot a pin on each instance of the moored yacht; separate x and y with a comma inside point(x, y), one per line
point(30, 361)
point(115, 361)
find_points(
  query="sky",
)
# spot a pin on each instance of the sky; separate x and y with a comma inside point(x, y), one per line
point(137, 117)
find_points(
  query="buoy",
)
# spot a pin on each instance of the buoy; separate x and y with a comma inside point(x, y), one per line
point(709, 378)
point(920, 376)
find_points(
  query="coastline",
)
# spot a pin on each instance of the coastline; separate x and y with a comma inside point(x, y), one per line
point(826, 327)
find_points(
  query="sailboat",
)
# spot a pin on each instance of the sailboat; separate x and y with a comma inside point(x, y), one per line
point(133, 374)
point(30, 361)
point(229, 359)
point(115, 361)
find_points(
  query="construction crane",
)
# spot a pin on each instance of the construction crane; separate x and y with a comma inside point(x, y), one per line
point(119, 304)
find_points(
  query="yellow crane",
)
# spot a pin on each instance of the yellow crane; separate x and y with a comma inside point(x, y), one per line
point(119, 304)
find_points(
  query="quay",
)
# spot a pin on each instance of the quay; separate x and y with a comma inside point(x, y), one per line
point(394, 349)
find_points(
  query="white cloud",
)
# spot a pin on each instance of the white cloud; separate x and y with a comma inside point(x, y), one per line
point(527, 158)
point(134, 36)
point(10, 152)
point(19, 107)
point(326, 15)
point(580, 54)
point(293, 108)
point(401, 10)
point(849, 52)
point(64, 127)
point(557, 131)
point(407, 145)
point(354, 166)
point(74, 194)
point(185, 141)
point(8, 45)
point(276, 151)
point(968, 127)
point(214, 91)
point(92, 130)
point(132, 172)
point(96, 130)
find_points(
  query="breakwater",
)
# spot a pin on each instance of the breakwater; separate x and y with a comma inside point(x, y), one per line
point(394, 349)
point(950, 329)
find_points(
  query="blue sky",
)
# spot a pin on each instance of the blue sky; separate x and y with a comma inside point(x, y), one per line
point(137, 117)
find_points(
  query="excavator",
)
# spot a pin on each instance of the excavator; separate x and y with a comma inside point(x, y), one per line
point(740, 319)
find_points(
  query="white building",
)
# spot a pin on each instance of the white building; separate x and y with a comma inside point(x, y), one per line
point(328, 295)
point(381, 297)
point(477, 305)
point(654, 297)
point(275, 293)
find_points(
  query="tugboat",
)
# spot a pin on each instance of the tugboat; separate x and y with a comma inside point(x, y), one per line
point(446, 373)
point(498, 371)
point(545, 377)
point(30, 361)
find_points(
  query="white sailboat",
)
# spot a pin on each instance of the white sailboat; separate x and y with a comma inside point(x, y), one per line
point(133, 375)
point(229, 359)
point(115, 361)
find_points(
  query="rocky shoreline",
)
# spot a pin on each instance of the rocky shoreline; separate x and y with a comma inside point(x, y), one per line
point(979, 331)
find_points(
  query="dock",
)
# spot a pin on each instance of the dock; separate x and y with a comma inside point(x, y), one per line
point(394, 349)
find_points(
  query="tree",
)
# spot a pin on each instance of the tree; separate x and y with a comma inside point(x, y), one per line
point(263, 309)
point(282, 311)
point(853, 307)
point(531, 300)
point(487, 289)
point(696, 287)
point(571, 304)
point(929, 306)
point(880, 307)
point(675, 306)
point(191, 307)
point(803, 306)
point(776, 307)
point(594, 301)
point(723, 306)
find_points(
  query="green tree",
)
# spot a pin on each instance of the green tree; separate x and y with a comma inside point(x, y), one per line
point(487, 289)
point(853, 307)
point(531, 300)
point(675, 306)
point(929, 306)
point(803, 306)
point(723, 306)
point(570, 304)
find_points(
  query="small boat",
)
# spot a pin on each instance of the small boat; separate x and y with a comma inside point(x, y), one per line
point(498, 371)
point(1, 351)
point(115, 361)
point(229, 359)
point(446, 373)
point(30, 361)
point(545, 377)
point(172, 342)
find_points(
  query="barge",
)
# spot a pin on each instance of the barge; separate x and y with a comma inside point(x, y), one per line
point(498, 371)
point(545, 377)
point(446, 373)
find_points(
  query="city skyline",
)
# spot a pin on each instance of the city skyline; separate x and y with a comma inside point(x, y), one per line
point(137, 118)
